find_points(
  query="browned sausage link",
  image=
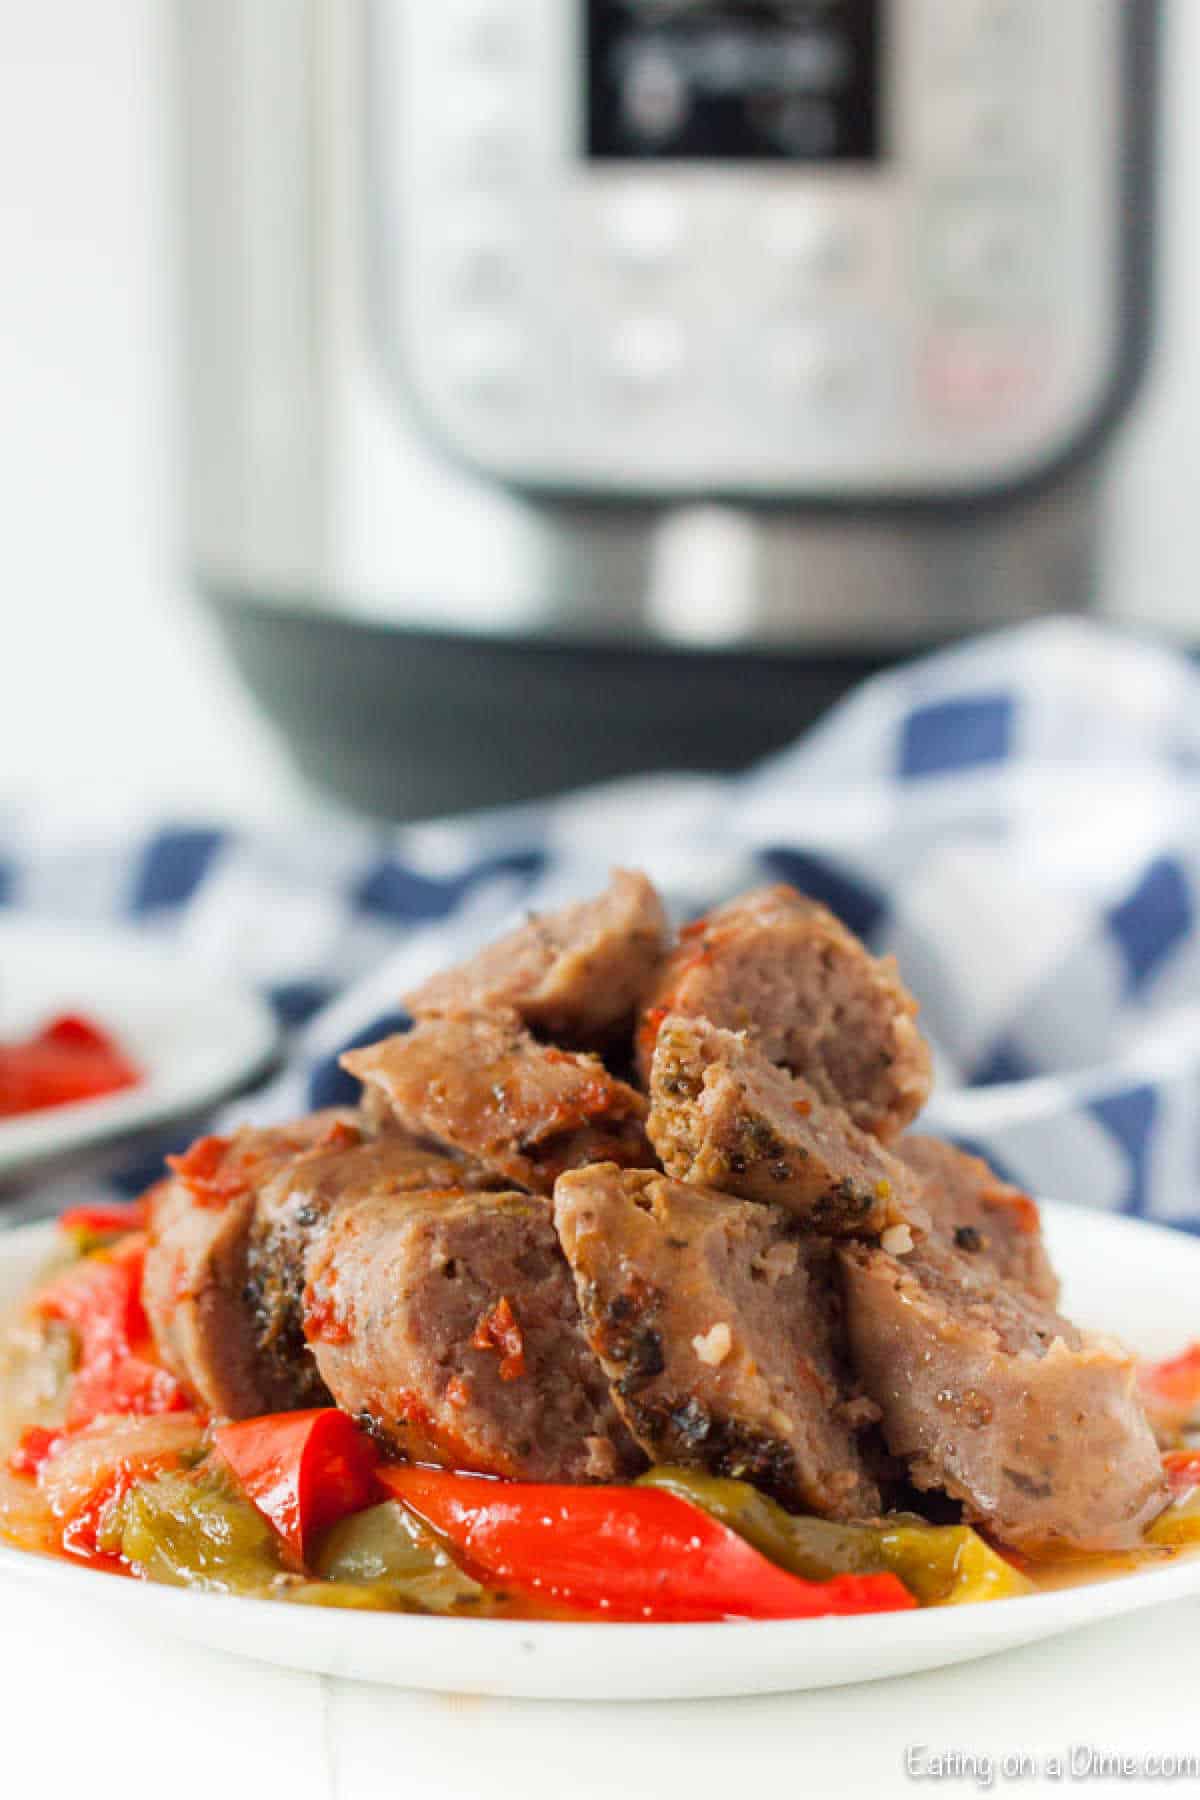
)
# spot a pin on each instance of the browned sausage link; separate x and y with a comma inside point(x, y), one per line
point(992, 1396)
point(408, 1306)
point(576, 975)
point(483, 1085)
point(717, 1326)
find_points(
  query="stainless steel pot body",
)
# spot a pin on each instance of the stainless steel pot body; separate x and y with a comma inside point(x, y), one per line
point(395, 606)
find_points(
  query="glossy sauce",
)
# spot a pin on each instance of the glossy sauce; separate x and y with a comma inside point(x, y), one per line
point(1081, 1571)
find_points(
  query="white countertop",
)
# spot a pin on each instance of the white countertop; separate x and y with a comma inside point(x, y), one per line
point(93, 1710)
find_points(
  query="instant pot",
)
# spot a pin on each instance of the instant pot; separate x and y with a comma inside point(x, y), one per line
point(582, 386)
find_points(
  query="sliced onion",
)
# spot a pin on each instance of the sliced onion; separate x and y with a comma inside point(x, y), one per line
point(87, 1462)
point(26, 1520)
point(37, 1358)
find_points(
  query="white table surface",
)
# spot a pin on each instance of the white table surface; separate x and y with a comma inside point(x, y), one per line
point(93, 1710)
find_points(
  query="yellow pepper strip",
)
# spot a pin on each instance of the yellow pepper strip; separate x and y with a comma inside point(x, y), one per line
point(941, 1565)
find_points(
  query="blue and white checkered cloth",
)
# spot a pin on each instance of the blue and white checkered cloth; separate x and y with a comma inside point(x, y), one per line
point(1018, 820)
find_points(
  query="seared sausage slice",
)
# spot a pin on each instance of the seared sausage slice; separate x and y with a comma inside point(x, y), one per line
point(292, 1208)
point(717, 1324)
point(192, 1292)
point(785, 970)
point(481, 1084)
point(1034, 1425)
point(449, 1322)
point(724, 1117)
point(987, 1219)
point(575, 975)
point(193, 1288)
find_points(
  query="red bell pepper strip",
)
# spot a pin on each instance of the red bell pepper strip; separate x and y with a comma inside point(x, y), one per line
point(80, 1532)
point(304, 1471)
point(34, 1445)
point(112, 1220)
point(1172, 1388)
point(71, 1031)
point(622, 1552)
point(101, 1297)
point(1182, 1470)
point(212, 1170)
point(69, 1059)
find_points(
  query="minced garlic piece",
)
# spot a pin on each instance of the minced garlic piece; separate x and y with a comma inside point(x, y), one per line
point(778, 1262)
point(714, 1346)
point(897, 1240)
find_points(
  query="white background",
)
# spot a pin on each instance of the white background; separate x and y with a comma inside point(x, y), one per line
point(109, 676)
point(110, 680)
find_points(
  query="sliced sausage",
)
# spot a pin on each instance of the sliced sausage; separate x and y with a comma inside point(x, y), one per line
point(449, 1322)
point(483, 1085)
point(196, 1273)
point(784, 969)
point(717, 1324)
point(290, 1210)
point(724, 1117)
point(977, 1213)
point(575, 975)
point(1035, 1426)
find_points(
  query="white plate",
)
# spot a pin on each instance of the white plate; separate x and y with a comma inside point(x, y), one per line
point(195, 1035)
point(1138, 1280)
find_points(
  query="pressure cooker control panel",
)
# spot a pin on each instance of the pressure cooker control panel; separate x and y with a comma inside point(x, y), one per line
point(794, 248)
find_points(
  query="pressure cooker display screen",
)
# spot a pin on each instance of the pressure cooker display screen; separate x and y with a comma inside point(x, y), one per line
point(759, 80)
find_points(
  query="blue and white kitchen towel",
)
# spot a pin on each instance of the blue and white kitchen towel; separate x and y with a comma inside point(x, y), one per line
point(1018, 820)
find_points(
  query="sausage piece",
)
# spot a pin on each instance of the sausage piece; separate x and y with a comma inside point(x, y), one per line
point(987, 1219)
point(717, 1323)
point(785, 970)
point(483, 1085)
point(996, 1399)
point(197, 1268)
point(448, 1321)
point(576, 975)
point(292, 1208)
point(724, 1117)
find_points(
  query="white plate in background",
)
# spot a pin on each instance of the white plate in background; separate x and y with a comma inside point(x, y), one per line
point(195, 1034)
point(1138, 1280)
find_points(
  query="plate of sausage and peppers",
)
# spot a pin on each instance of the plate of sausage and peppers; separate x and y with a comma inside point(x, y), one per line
point(627, 1338)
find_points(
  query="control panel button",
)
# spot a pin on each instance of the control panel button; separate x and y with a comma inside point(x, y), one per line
point(486, 135)
point(485, 32)
point(985, 130)
point(488, 358)
point(648, 353)
point(1000, 27)
point(984, 40)
point(979, 377)
point(644, 226)
point(819, 368)
point(988, 253)
point(482, 258)
point(811, 243)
